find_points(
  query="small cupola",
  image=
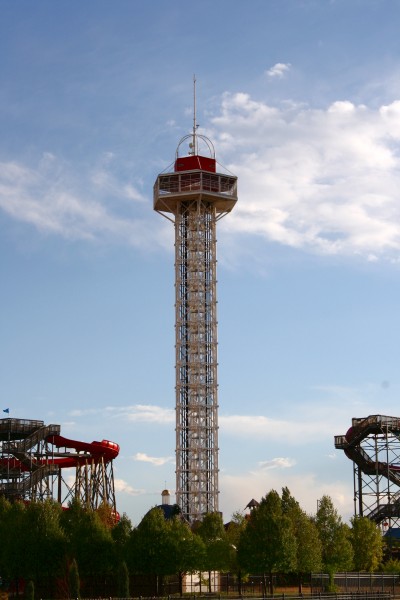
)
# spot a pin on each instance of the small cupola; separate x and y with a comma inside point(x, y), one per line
point(165, 497)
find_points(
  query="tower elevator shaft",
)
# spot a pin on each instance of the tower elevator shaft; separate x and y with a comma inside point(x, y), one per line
point(196, 359)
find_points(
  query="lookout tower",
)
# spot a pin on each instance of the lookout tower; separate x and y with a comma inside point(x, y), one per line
point(194, 197)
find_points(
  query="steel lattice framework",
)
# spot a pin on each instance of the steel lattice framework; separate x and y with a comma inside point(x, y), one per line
point(194, 197)
point(373, 444)
point(196, 360)
point(94, 483)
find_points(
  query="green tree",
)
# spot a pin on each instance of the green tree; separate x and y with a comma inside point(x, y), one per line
point(30, 590)
point(74, 582)
point(234, 530)
point(148, 544)
point(186, 549)
point(367, 543)
point(309, 547)
point(123, 581)
point(392, 566)
point(337, 550)
point(212, 532)
point(268, 544)
point(149, 547)
point(106, 515)
point(120, 534)
point(13, 546)
point(91, 544)
point(45, 550)
point(5, 530)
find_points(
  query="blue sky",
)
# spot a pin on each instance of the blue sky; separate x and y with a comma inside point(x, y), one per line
point(302, 101)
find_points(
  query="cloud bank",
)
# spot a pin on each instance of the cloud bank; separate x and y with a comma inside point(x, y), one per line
point(92, 205)
point(293, 432)
point(323, 180)
point(312, 425)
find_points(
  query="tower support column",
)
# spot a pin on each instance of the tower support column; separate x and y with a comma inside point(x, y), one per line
point(196, 359)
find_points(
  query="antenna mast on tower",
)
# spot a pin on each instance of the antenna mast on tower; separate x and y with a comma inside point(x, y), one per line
point(195, 126)
point(193, 144)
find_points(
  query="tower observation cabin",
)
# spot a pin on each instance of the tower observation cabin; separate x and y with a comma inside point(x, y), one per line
point(194, 197)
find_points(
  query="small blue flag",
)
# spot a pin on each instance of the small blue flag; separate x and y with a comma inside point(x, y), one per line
point(7, 410)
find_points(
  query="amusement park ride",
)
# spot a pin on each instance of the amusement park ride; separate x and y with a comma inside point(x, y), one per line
point(36, 463)
point(194, 196)
point(373, 444)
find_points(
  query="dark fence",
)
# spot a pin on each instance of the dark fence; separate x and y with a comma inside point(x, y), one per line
point(357, 583)
point(314, 586)
point(336, 596)
point(349, 586)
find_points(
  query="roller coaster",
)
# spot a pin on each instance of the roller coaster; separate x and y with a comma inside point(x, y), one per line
point(37, 462)
point(373, 444)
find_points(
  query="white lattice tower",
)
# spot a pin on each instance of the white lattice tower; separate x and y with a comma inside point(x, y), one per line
point(194, 197)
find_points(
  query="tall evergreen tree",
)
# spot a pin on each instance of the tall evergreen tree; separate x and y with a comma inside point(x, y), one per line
point(74, 583)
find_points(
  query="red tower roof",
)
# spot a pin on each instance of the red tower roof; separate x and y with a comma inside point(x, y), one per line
point(193, 163)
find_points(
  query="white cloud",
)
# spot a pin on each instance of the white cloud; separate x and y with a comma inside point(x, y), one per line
point(124, 487)
point(83, 412)
point(156, 461)
point(91, 206)
point(322, 180)
point(278, 70)
point(146, 413)
point(107, 182)
point(293, 432)
point(150, 414)
point(277, 463)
